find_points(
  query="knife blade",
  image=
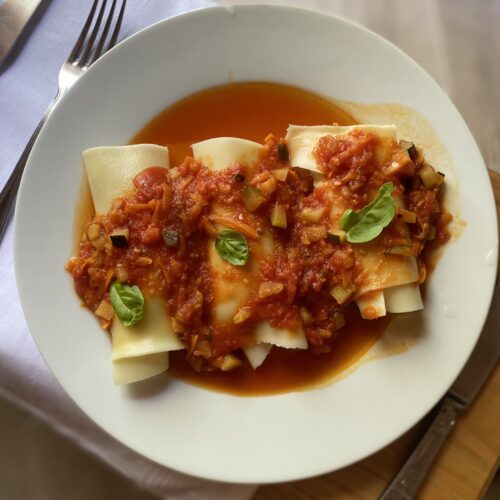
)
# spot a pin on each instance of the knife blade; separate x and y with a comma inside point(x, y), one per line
point(463, 391)
point(14, 16)
point(483, 358)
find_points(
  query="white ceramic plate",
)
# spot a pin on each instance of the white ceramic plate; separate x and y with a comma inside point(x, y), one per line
point(196, 431)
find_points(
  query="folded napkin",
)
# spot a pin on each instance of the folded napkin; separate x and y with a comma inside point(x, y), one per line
point(27, 85)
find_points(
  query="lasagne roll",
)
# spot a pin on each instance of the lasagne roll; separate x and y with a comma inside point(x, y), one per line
point(230, 290)
point(111, 169)
point(138, 351)
point(380, 271)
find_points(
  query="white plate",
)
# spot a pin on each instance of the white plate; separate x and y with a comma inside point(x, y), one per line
point(196, 431)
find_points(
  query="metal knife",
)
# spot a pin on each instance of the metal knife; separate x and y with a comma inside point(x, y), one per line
point(14, 15)
point(463, 391)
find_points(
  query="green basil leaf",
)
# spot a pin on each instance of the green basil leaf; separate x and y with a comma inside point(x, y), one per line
point(366, 224)
point(127, 302)
point(232, 247)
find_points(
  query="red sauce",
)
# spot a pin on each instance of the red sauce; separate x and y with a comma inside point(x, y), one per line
point(304, 266)
point(250, 111)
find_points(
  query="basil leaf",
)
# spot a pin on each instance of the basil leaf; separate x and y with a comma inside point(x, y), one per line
point(127, 302)
point(232, 247)
point(366, 224)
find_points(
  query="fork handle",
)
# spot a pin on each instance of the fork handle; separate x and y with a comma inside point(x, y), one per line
point(9, 191)
point(409, 479)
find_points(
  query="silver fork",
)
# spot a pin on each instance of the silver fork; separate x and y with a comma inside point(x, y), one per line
point(91, 44)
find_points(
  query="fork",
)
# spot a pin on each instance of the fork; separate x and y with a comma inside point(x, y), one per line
point(88, 48)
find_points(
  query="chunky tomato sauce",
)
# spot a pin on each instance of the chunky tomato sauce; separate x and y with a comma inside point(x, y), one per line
point(190, 203)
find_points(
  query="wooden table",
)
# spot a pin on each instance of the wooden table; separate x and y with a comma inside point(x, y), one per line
point(463, 470)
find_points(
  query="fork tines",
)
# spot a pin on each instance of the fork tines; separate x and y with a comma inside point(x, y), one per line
point(86, 51)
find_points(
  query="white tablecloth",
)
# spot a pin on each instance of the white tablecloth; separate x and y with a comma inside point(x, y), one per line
point(27, 85)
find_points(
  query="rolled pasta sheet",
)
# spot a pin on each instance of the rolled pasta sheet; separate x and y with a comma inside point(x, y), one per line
point(381, 271)
point(403, 298)
point(111, 169)
point(130, 370)
point(222, 152)
point(230, 290)
point(301, 141)
point(138, 351)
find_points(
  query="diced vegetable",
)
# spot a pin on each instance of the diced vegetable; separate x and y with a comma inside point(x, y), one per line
point(410, 148)
point(313, 233)
point(407, 216)
point(119, 237)
point(252, 198)
point(269, 288)
point(268, 186)
point(428, 176)
point(239, 177)
point(94, 231)
point(401, 164)
point(432, 233)
point(121, 273)
point(280, 174)
point(312, 215)
point(440, 178)
point(283, 152)
point(338, 318)
point(171, 238)
point(230, 362)
point(177, 326)
point(336, 237)
point(341, 294)
point(307, 317)
point(105, 310)
point(278, 216)
point(242, 315)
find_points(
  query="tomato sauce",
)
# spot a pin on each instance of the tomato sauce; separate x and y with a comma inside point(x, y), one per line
point(251, 111)
point(289, 288)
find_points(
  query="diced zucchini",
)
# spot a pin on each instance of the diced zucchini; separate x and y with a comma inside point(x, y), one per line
point(428, 176)
point(283, 152)
point(338, 319)
point(252, 198)
point(312, 215)
point(410, 147)
point(408, 216)
point(119, 237)
point(280, 174)
point(171, 238)
point(336, 237)
point(278, 216)
point(432, 233)
point(341, 294)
